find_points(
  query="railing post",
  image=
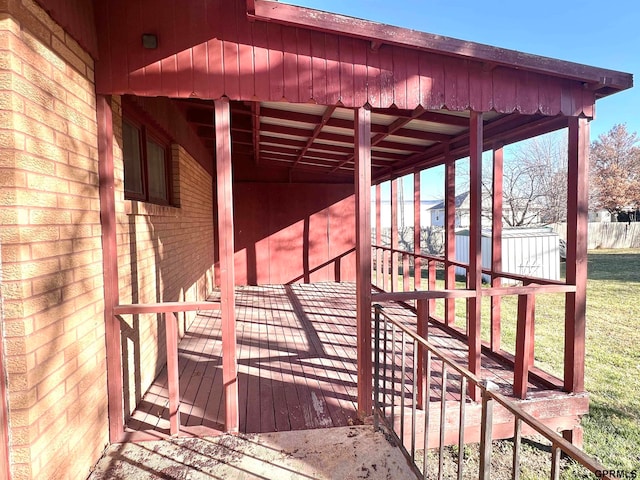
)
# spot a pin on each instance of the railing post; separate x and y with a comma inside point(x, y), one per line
point(171, 332)
point(422, 308)
point(485, 436)
point(524, 345)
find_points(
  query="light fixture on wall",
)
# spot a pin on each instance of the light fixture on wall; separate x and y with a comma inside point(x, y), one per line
point(149, 41)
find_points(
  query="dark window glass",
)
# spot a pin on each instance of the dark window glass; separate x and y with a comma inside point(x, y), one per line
point(146, 169)
point(132, 159)
point(156, 164)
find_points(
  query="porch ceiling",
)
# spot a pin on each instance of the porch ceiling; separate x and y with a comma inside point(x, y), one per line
point(320, 139)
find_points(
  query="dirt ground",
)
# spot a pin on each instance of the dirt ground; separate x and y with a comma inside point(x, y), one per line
point(335, 453)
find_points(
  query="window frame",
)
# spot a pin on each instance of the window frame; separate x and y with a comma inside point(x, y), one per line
point(147, 132)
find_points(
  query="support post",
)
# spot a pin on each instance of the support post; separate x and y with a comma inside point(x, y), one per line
point(450, 238)
point(110, 267)
point(474, 278)
point(362, 158)
point(417, 262)
point(224, 179)
point(577, 218)
point(394, 234)
point(379, 252)
point(496, 245)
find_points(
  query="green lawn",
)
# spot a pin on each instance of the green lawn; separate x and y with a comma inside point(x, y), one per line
point(612, 428)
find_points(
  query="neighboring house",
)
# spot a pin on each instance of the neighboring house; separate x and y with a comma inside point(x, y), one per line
point(463, 217)
point(405, 213)
point(600, 216)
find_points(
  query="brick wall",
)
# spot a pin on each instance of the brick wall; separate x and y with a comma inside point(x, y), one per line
point(52, 285)
point(164, 254)
point(51, 248)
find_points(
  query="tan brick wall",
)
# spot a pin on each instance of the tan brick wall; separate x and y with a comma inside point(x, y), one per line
point(164, 254)
point(52, 286)
point(49, 210)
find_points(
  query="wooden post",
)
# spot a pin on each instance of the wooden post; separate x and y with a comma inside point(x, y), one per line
point(362, 157)
point(173, 372)
point(496, 245)
point(422, 310)
point(524, 345)
point(450, 238)
point(417, 262)
point(577, 217)
point(474, 278)
point(379, 253)
point(110, 267)
point(394, 234)
point(224, 179)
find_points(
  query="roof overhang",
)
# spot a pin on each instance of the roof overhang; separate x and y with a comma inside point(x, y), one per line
point(602, 81)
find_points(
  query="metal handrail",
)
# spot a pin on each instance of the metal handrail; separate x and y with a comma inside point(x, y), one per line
point(426, 351)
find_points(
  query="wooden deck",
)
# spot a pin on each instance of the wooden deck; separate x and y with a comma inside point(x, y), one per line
point(297, 367)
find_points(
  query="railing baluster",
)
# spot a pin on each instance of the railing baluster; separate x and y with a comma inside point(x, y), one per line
point(443, 416)
point(555, 462)
point(376, 369)
point(463, 404)
point(405, 273)
point(393, 374)
point(432, 282)
point(414, 400)
point(385, 276)
point(402, 384)
point(171, 332)
point(427, 410)
point(485, 436)
point(385, 373)
point(517, 440)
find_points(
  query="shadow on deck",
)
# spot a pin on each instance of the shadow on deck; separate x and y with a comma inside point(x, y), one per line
point(297, 369)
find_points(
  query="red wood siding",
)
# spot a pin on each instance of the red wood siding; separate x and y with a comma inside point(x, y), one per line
point(219, 52)
point(293, 233)
point(78, 20)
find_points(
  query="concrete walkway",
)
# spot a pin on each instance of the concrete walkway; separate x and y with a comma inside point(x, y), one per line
point(331, 453)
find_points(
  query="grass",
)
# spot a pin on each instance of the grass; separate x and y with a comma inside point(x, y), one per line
point(612, 428)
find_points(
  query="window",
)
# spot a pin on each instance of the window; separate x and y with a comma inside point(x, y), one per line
point(146, 164)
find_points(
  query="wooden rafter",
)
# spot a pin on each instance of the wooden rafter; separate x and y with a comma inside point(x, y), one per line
point(316, 131)
point(379, 138)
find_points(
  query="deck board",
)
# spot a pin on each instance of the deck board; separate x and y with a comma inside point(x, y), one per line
point(296, 363)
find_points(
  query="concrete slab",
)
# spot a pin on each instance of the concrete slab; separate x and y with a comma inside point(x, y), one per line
point(355, 452)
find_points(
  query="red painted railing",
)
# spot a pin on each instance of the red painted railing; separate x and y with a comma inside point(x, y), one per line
point(171, 332)
point(385, 260)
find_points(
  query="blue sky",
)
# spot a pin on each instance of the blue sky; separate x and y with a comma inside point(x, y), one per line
point(590, 32)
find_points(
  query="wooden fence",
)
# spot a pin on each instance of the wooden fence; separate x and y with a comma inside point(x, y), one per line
point(607, 234)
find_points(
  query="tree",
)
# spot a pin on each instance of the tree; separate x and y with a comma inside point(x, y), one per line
point(534, 182)
point(615, 170)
